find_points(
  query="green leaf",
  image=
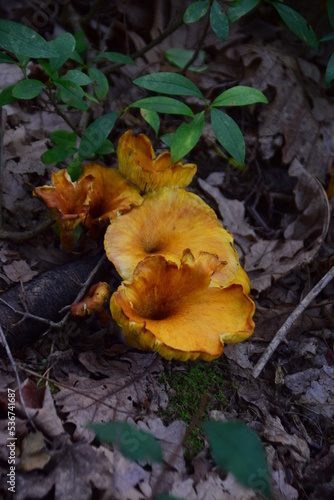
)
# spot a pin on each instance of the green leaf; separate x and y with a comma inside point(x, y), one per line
point(63, 138)
point(47, 68)
point(95, 135)
point(240, 9)
point(239, 96)
point(102, 87)
point(71, 94)
point(181, 57)
point(132, 443)
point(106, 149)
point(167, 139)
point(64, 46)
point(195, 11)
point(228, 135)
point(327, 38)
point(77, 76)
point(27, 89)
point(329, 77)
point(296, 23)
point(169, 83)
point(238, 449)
point(330, 12)
point(186, 137)
point(166, 105)
point(116, 57)
point(218, 21)
point(91, 97)
point(6, 96)
point(57, 154)
point(152, 118)
point(74, 169)
point(80, 42)
point(22, 40)
point(6, 59)
point(77, 57)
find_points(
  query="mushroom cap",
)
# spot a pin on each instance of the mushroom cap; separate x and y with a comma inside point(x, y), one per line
point(168, 222)
point(99, 194)
point(137, 162)
point(179, 311)
point(69, 202)
point(111, 195)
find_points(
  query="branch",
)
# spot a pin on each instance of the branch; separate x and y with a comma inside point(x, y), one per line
point(149, 46)
point(284, 330)
point(25, 235)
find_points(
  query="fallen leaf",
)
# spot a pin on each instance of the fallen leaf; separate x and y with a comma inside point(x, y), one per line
point(33, 454)
point(18, 271)
point(314, 388)
point(121, 392)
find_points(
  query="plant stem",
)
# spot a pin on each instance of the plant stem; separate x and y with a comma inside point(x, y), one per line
point(60, 113)
point(109, 69)
point(199, 45)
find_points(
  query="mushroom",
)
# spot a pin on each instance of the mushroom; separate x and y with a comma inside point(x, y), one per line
point(93, 302)
point(111, 195)
point(137, 163)
point(99, 194)
point(178, 311)
point(69, 202)
point(168, 222)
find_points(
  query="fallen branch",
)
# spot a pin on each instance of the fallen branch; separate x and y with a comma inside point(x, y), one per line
point(25, 235)
point(284, 330)
point(19, 387)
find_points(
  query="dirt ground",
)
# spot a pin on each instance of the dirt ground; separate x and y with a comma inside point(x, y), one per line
point(282, 221)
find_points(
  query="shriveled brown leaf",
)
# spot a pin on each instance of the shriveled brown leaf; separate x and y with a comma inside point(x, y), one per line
point(19, 270)
point(314, 389)
point(121, 390)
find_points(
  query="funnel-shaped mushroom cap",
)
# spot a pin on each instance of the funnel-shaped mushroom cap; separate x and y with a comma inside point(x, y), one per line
point(69, 202)
point(137, 163)
point(179, 311)
point(99, 194)
point(168, 222)
point(110, 195)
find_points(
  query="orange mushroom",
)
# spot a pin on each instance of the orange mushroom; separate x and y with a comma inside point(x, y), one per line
point(177, 310)
point(168, 222)
point(94, 302)
point(69, 202)
point(99, 194)
point(111, 195)
point(137, 162)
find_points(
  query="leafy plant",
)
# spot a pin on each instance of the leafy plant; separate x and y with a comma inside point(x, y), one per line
point(61, 90)
point(187, 135)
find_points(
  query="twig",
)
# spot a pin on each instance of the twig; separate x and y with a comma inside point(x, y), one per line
point(25, 235)
point(12, 362)
point(109, 69)
point(1, 164)
point(283, 331)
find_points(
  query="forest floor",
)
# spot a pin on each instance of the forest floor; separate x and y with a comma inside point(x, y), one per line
point(282, 221)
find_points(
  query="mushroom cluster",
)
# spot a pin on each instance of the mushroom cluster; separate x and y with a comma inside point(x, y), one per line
point(184, 293)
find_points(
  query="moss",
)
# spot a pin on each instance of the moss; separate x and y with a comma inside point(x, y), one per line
point(194, 389)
